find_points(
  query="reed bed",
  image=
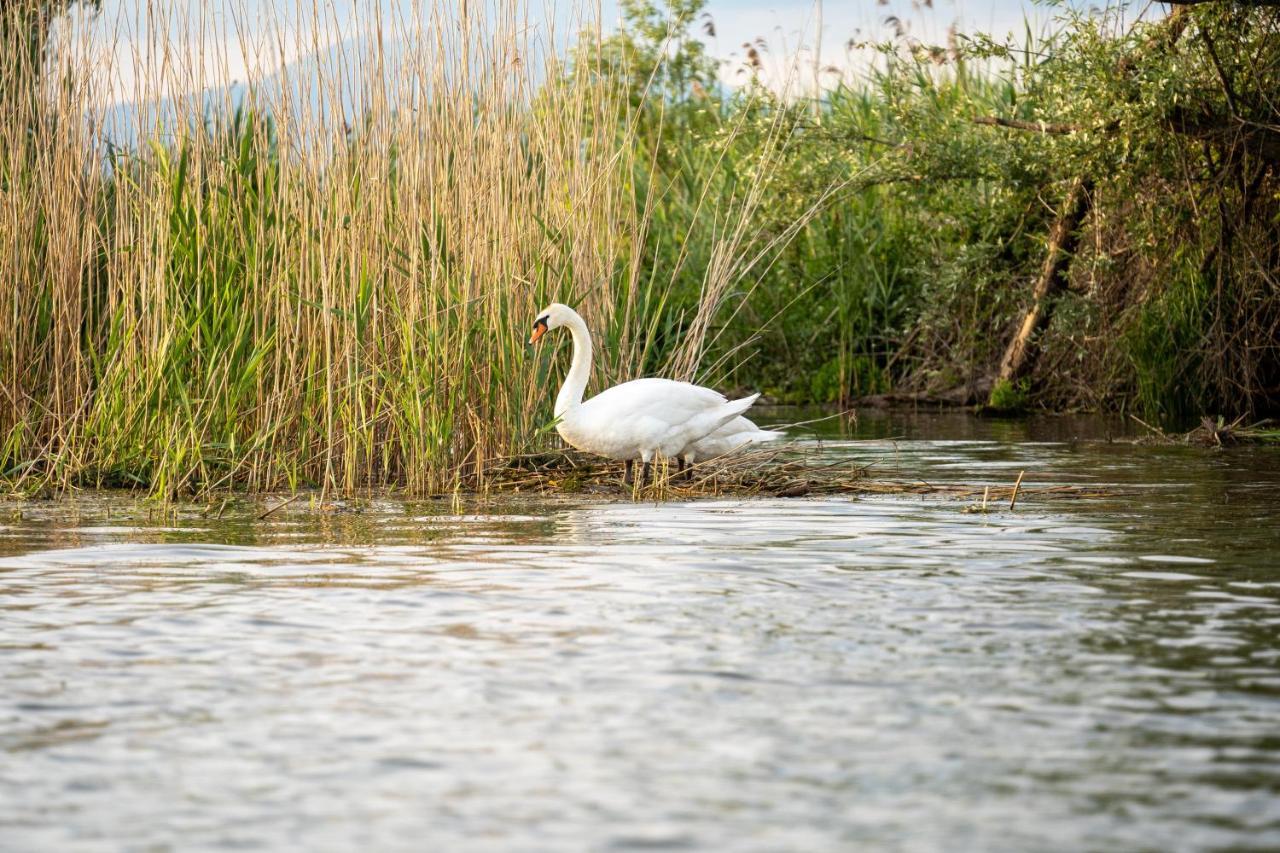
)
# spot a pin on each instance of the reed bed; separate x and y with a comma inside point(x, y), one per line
point(319, 278)
point(779, 472)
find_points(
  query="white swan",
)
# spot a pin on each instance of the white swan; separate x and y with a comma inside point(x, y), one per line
point(641, 419)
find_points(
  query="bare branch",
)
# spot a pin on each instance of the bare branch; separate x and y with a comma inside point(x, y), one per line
point(1035, 126)
point(1255, 3)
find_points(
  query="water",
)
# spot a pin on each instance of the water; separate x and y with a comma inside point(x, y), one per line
point(888, 672)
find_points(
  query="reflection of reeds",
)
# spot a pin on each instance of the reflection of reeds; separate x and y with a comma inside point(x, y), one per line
point(270, 298)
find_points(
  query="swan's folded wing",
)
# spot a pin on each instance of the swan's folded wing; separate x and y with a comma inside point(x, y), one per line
point(646, 415)
point(656, 395)
point(704, 423)
point(671, 401)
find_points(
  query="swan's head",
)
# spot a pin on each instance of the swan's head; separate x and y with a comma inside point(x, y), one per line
point(551, 317)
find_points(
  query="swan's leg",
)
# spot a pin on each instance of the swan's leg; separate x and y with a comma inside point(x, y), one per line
point(682, 467)
point(626, 472)
point(645, 457)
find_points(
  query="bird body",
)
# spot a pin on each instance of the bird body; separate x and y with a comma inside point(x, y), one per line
point(647, 417)
point(643, 418)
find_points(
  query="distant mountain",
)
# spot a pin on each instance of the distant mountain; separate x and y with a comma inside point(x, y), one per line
point(334, 85)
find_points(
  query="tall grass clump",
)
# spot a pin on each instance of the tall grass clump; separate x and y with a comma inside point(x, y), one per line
point(323, 277)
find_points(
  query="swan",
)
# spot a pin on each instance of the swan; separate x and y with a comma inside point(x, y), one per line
point(637, 420)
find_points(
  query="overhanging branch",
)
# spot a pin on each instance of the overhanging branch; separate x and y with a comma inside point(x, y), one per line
point(1035, 126)
point(1235, 2)
point(1258, 139)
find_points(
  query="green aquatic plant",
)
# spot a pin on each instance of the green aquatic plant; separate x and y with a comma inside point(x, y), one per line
point(1009, 397)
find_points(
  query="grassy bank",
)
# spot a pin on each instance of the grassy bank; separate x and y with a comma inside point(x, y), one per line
point(325, 280)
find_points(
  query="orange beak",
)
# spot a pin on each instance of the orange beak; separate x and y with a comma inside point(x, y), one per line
point(539, 329)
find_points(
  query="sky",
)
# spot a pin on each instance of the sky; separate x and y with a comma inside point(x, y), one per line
point(216, 42)
point(790, 27)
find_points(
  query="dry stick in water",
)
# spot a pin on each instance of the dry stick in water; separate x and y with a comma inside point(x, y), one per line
point(1013, 499)
point(278, 506)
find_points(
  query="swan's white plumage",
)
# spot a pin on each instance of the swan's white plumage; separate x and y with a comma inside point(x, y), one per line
point(640, 419)
point(734, 435)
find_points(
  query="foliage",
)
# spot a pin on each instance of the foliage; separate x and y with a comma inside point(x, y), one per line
point(1008, 396)
point(928, 189)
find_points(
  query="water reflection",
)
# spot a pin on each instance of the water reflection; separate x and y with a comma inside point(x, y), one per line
point(760, 674)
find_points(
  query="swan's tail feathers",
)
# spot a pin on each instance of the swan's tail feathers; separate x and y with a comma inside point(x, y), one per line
point(733, 409)
point(741, 438)
point(683, 438)
point(721, 415)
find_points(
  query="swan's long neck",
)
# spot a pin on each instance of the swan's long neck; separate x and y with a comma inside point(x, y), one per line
point(576, 382)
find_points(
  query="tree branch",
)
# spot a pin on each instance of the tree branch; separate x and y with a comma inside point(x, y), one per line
point(1260, 140)
point(1254, 3)
point(1036, 126)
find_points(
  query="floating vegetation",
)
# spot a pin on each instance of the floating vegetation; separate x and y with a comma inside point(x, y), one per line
point(1216, 432)
point(1219, 433)
point(785, 472)
point(775, 471)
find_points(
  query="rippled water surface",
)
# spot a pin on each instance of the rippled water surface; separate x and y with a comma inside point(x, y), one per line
point(880, 672)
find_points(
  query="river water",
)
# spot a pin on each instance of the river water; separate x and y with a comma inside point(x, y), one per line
point(895, 673)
